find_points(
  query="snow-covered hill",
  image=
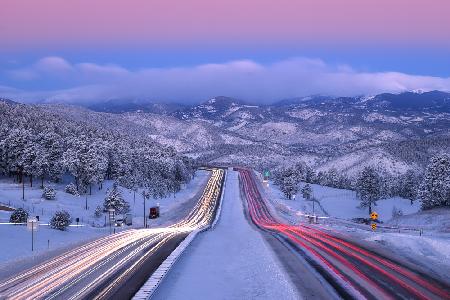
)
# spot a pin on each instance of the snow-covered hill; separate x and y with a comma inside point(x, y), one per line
point(396, 131)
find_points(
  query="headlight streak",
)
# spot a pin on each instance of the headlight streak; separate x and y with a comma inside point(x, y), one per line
point(107, 260)
point(75, 268)
point(131, 268)
point(54, 278)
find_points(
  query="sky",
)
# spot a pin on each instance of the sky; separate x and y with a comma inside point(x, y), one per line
point(80, 51)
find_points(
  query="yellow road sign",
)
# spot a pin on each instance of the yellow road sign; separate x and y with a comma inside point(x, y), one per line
point(374, 216)
point(374, 226)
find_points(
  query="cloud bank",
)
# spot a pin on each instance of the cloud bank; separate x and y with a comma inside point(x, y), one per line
point(80, 83)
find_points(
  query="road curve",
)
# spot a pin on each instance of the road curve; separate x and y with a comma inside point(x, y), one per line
point(355, 272)
point(108, 267)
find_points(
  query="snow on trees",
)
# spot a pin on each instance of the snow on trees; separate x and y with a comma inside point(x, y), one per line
point(19, 215)
point(307, 192)
point(114, 200)
point(49, 193)
point(435, 188)
point(408, 185)
point(60, 220)
point(38, 143)
point(288, 180)
point(368, 187)
point(71, 188)
point(98, 211)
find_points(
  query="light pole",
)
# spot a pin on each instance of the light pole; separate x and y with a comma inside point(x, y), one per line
point(111, 218)
point(32, 224)
point(145, 220)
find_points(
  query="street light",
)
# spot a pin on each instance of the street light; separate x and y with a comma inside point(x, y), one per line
point(32, 224)
point(111, 212)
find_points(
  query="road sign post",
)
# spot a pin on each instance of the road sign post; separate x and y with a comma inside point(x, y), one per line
point(374, 217)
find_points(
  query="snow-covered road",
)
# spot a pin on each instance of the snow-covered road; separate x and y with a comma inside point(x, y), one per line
point(233, 261)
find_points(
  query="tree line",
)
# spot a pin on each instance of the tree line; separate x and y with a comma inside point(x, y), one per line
point(432, 186)
point(36, 143)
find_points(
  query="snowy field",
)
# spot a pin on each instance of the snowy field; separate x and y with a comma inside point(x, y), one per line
point(338, 203)
point(230, 262)
point(16, 239)
point(430, 250)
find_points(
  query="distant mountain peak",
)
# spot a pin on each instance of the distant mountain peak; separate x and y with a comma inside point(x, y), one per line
point(223, 100)
point(419, 91)
point(8, 101)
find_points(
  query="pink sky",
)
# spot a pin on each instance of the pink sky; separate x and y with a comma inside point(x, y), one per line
point(167, 22)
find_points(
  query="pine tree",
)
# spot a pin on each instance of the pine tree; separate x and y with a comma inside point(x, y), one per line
point(368, 187)
point(307, 192)
point(114, 200)
point(19, 215)
point(71, 188)
point(435, 188)
point(60, 220)
point(98, 211)
point(49, 193)
point(289, 186)
point(408, 186)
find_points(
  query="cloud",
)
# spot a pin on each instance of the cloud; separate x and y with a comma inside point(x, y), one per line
point(245, 79)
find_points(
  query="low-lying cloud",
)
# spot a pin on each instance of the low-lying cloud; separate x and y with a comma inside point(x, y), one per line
point(244, 79)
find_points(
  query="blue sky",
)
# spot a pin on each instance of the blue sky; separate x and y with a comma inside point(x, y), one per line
point(163, 50)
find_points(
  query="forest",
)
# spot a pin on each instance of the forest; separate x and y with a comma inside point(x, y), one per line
point(38, 145)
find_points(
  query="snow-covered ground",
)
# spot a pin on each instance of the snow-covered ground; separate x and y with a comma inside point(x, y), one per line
point(431, 250)
point(232, 261)
point(338, 203)
point(15, 240)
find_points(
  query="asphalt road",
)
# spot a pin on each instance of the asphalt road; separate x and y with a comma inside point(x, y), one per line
point(355, 272)
point(115, 266)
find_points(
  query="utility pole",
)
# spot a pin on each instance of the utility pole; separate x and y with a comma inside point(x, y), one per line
point(32, 236)
point(314, 213)
point(86, 202)
point(145, 220)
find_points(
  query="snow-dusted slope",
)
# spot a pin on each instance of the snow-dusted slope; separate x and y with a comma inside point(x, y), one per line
point(396, 132)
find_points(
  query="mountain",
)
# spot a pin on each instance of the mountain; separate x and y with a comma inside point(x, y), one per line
point(395, 132)
point(216, 109)
point(116, 106)
point(345, 133)
point(435, 101)
point(8, 101)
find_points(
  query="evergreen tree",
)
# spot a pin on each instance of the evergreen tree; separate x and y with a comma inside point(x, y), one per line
point(19, 215)
point(307, 192)
point(115, 200)
point(60, 220)
point(368, 187)
point(71, 188)
point(98, 211)
point(409, 186)
point(49, 193)
point(435, 188)
point(289, 186)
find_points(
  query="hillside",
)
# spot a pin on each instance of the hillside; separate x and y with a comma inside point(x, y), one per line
point(395, 131)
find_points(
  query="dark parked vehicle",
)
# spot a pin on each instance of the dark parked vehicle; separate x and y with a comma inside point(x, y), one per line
point(154, 212)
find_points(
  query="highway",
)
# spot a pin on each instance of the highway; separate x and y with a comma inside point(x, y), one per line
point(355, 272)
point(114, 266)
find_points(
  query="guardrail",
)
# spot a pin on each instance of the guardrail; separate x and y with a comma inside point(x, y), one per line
point(151, 285)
